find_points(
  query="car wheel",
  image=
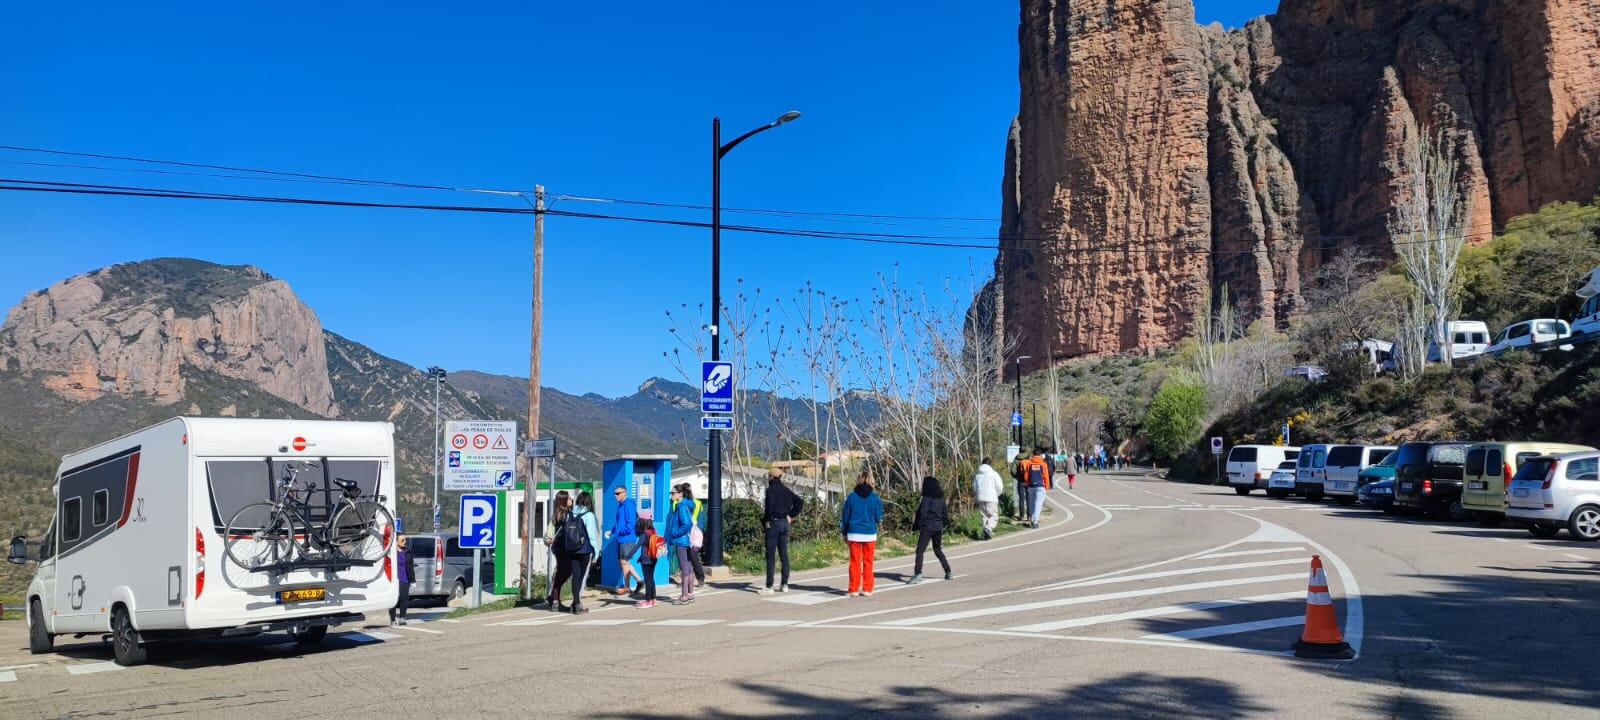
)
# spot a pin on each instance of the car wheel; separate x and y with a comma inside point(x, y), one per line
point(125, 639)
point(1241, 491)
point(309, 636)
point(1544, 530)
point(458, 591)
point(40, 640)
point(1345, 500)
point(1456, 511)
point(1585, 523)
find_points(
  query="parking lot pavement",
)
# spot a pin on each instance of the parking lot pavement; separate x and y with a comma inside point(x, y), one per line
point(1138, 598)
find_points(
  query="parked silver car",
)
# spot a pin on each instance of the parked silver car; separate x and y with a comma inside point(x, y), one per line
point(444, 569)
point(1555, 491)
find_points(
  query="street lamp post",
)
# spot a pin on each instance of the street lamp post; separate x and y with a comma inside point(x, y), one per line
point(714, 482)
point(1033, 409)
point(1018, 409)
point(437, 375)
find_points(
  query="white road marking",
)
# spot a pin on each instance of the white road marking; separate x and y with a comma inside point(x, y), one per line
point(7, 676)
point(1499, 539)
point(448, 620)
point(1241, 553)
point(370, 636)
point(682, 623)
point(1153, 612)
point(1355, 616)
point(606, 622)
point(1575, 556)
point(418, 629)
point(1234, 629)
point(535, 622)
point(766, 623)
point(1184, 571)
point(1084, 638)
point(1540, 548)
point(19, 667)
point(1084, 599)
point(815, 598)
point(90, 668)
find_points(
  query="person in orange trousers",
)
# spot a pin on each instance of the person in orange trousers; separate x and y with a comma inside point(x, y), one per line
point(858, 522)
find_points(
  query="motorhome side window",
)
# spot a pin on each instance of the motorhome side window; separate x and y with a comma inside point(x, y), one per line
point(101, 507)
point(71, 519)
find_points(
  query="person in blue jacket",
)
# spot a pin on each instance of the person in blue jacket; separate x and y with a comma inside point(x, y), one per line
point(623, 529)
point(680, 523)
point(858, 521)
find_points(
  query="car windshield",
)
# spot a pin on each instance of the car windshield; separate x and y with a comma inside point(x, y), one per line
point(1286, 465)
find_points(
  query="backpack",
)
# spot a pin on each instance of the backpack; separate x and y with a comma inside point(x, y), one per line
point(574, 537)
point(1035, 473)
point(655, 547)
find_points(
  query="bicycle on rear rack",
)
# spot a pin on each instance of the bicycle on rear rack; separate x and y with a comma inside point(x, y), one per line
point(280, 536)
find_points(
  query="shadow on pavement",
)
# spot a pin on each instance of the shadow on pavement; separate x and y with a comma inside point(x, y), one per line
point(1133, 695)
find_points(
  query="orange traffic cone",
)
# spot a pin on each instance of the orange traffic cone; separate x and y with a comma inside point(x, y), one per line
point(1321, 638)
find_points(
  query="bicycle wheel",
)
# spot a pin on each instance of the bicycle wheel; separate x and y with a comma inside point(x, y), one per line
point(362, 530)
point(259, 535)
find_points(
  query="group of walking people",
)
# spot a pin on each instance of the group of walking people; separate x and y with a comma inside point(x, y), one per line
point(574, 536)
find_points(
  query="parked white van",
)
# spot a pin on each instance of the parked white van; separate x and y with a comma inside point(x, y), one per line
point(1249, 466)
point(1531, 332)
point(149, 529)
point(1311, 470)
point(1467, 338)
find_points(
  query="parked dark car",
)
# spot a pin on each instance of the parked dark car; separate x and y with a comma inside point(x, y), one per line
point(1428, 478)
point(1379, 495)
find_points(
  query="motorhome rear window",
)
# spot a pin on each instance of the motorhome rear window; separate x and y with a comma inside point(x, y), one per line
point(235, 484)
point(1242, 454)
point(1344, 456)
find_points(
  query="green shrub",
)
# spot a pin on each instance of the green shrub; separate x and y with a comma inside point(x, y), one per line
point(1173, 422)
point(741, 526)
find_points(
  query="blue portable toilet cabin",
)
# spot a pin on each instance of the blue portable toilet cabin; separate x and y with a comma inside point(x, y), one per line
point(648, 479)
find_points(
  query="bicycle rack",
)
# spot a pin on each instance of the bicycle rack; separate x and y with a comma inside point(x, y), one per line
point(329, 564)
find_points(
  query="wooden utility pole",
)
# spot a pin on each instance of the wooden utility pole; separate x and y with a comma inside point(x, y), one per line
point(529, 489)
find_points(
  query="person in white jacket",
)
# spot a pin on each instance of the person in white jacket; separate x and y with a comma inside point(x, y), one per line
point(987, 487)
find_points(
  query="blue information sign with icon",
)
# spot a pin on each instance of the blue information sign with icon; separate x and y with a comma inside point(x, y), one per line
point(1016, 419)
point(477, 521)
point(716, 387)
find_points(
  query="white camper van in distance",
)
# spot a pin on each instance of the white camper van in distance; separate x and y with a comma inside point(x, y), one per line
point(137, 547)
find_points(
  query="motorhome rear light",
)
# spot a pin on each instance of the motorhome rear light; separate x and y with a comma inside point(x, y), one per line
point(199, 563)
point(1427, 486)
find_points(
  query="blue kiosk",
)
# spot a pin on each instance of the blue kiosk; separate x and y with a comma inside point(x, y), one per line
point(648, 479)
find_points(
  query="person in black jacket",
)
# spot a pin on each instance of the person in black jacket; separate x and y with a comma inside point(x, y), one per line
point(932, 517)
point(780, 508)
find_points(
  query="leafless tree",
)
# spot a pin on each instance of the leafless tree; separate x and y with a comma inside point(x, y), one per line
point(1428, 228)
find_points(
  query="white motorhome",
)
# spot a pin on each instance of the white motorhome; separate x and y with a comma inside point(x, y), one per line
point(1467, 338)
point(137, 548)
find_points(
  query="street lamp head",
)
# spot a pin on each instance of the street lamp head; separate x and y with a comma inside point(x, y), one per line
point(1020, 358)
point(790, 116)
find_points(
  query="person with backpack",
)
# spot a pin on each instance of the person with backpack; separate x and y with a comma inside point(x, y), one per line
point(932, 517)
point(780, 507)
point(1036, 473)
point(986, 488)
point(652, 548)
point(697, 533)
point(577, 536)
point(563, 559)
point(858, 522)
point(623, 522)
point(680, 522)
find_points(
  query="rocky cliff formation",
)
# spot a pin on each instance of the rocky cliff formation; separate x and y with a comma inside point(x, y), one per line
point(1154, 161)
point(133, 329)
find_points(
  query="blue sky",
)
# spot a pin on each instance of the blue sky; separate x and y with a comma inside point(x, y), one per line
point(905, 113)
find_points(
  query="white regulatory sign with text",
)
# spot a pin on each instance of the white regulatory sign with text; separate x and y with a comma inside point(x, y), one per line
point(480, 455)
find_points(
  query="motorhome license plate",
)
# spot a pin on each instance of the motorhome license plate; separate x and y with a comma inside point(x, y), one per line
point(300, 595)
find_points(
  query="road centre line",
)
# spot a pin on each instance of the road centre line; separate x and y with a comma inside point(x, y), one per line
point(682, 622)
point(1242, 553)
point(1153, 612)
point(1085, 599)
point(1174, 573)
point(1234, 629)
point(1106, 517)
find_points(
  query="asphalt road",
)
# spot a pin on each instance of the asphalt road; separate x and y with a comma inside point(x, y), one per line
point(1139, 598)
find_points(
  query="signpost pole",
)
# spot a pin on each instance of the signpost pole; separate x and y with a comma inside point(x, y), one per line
point(477, 577)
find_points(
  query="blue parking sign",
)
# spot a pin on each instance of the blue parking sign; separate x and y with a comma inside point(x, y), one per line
point(477, 521)
point(716, 387)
